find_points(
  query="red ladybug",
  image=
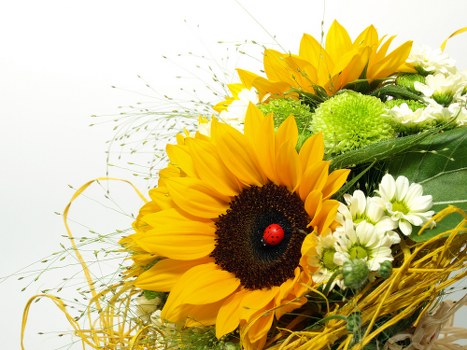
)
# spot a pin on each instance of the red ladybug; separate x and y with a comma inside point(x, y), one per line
point(273, 235)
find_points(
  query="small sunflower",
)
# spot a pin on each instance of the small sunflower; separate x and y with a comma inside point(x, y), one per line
point(333, 66)
point(228, 226)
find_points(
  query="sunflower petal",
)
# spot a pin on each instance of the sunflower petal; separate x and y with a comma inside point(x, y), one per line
point(313, 203)
point(228, 317)
point(163, 276)
point(337, 41)
point(325, 216)
point(202, 284)
point(312, 150)
point(335, 181)
point(312, 51)
point(210, 169)
point(314, 178)
point(201, 315)
point(264, 87)
point(237, 154)
point(259, 130)
point(178, 246)
point(391, 63)
point(276, 67)
point(256, 301)
point(179, 156)
point(196, 198)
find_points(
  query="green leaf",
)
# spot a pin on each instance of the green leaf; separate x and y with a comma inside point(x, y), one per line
point(381, 151)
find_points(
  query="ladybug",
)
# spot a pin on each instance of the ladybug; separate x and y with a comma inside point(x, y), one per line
point(273, 235)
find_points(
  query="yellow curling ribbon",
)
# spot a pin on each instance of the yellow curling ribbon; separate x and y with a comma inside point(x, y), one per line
point(457, 32)
point(103, 331)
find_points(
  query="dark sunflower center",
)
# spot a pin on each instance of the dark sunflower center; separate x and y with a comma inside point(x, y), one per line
point(241, 233)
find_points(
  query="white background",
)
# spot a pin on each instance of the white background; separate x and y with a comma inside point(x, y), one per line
point(58, 61)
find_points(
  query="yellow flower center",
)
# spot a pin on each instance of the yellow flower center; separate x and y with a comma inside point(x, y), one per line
point(400, 207)
point(328, 259)
point(358, 252)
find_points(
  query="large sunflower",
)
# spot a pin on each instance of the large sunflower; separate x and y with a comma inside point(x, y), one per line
point(336, 64)
point(228, 226)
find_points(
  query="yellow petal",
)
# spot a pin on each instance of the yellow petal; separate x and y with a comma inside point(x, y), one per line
point(368, 37)
point(228, 317)
point(201, 315)
point(256, 301)
point(163, 276)
point(391, 63)
point(275, 67)
point(291, 291)
point(303, 74)
point(179, 157)
point(382, 50)
point(237, 154)
point(289, 169)
point(325, 216)
point(314, 178)
point(259, 327)
point(182, 246)
point(202, 284)
point(161, 198)
point(259, 130)
point(312, 150)
point(312, 51)
point(313, 203)
point(210, 169)
point(262, 85)
point(288, 165)
point(335, 181)
point(287, 133)
point(337, 41)
point(196, 198)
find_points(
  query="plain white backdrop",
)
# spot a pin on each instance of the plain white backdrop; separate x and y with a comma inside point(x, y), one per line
point(58, 61)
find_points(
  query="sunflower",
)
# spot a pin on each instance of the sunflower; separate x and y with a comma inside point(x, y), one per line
point(228, 226)
point(332, 67)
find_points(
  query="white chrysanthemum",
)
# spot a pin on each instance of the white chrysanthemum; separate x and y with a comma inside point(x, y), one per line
point(432, 60)
point(455, 110)
point(361, 208)
point(403, 114)
point(405, 202)
point(362, 241)
point(444, 89)
point(234, 114)
point(324, 260)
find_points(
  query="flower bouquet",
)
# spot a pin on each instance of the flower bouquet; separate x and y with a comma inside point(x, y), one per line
point(321, 206)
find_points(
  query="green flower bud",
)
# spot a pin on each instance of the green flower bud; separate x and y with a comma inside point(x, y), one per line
point(355, 273)
point(354, 322)
point(385, 269)
point(350, 121)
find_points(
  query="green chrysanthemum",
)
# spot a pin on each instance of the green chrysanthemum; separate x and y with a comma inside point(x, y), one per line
point(350, 121)
point(282, 108)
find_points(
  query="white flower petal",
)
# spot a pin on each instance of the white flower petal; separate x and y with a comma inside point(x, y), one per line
point(402, 185)
point(405, 227)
